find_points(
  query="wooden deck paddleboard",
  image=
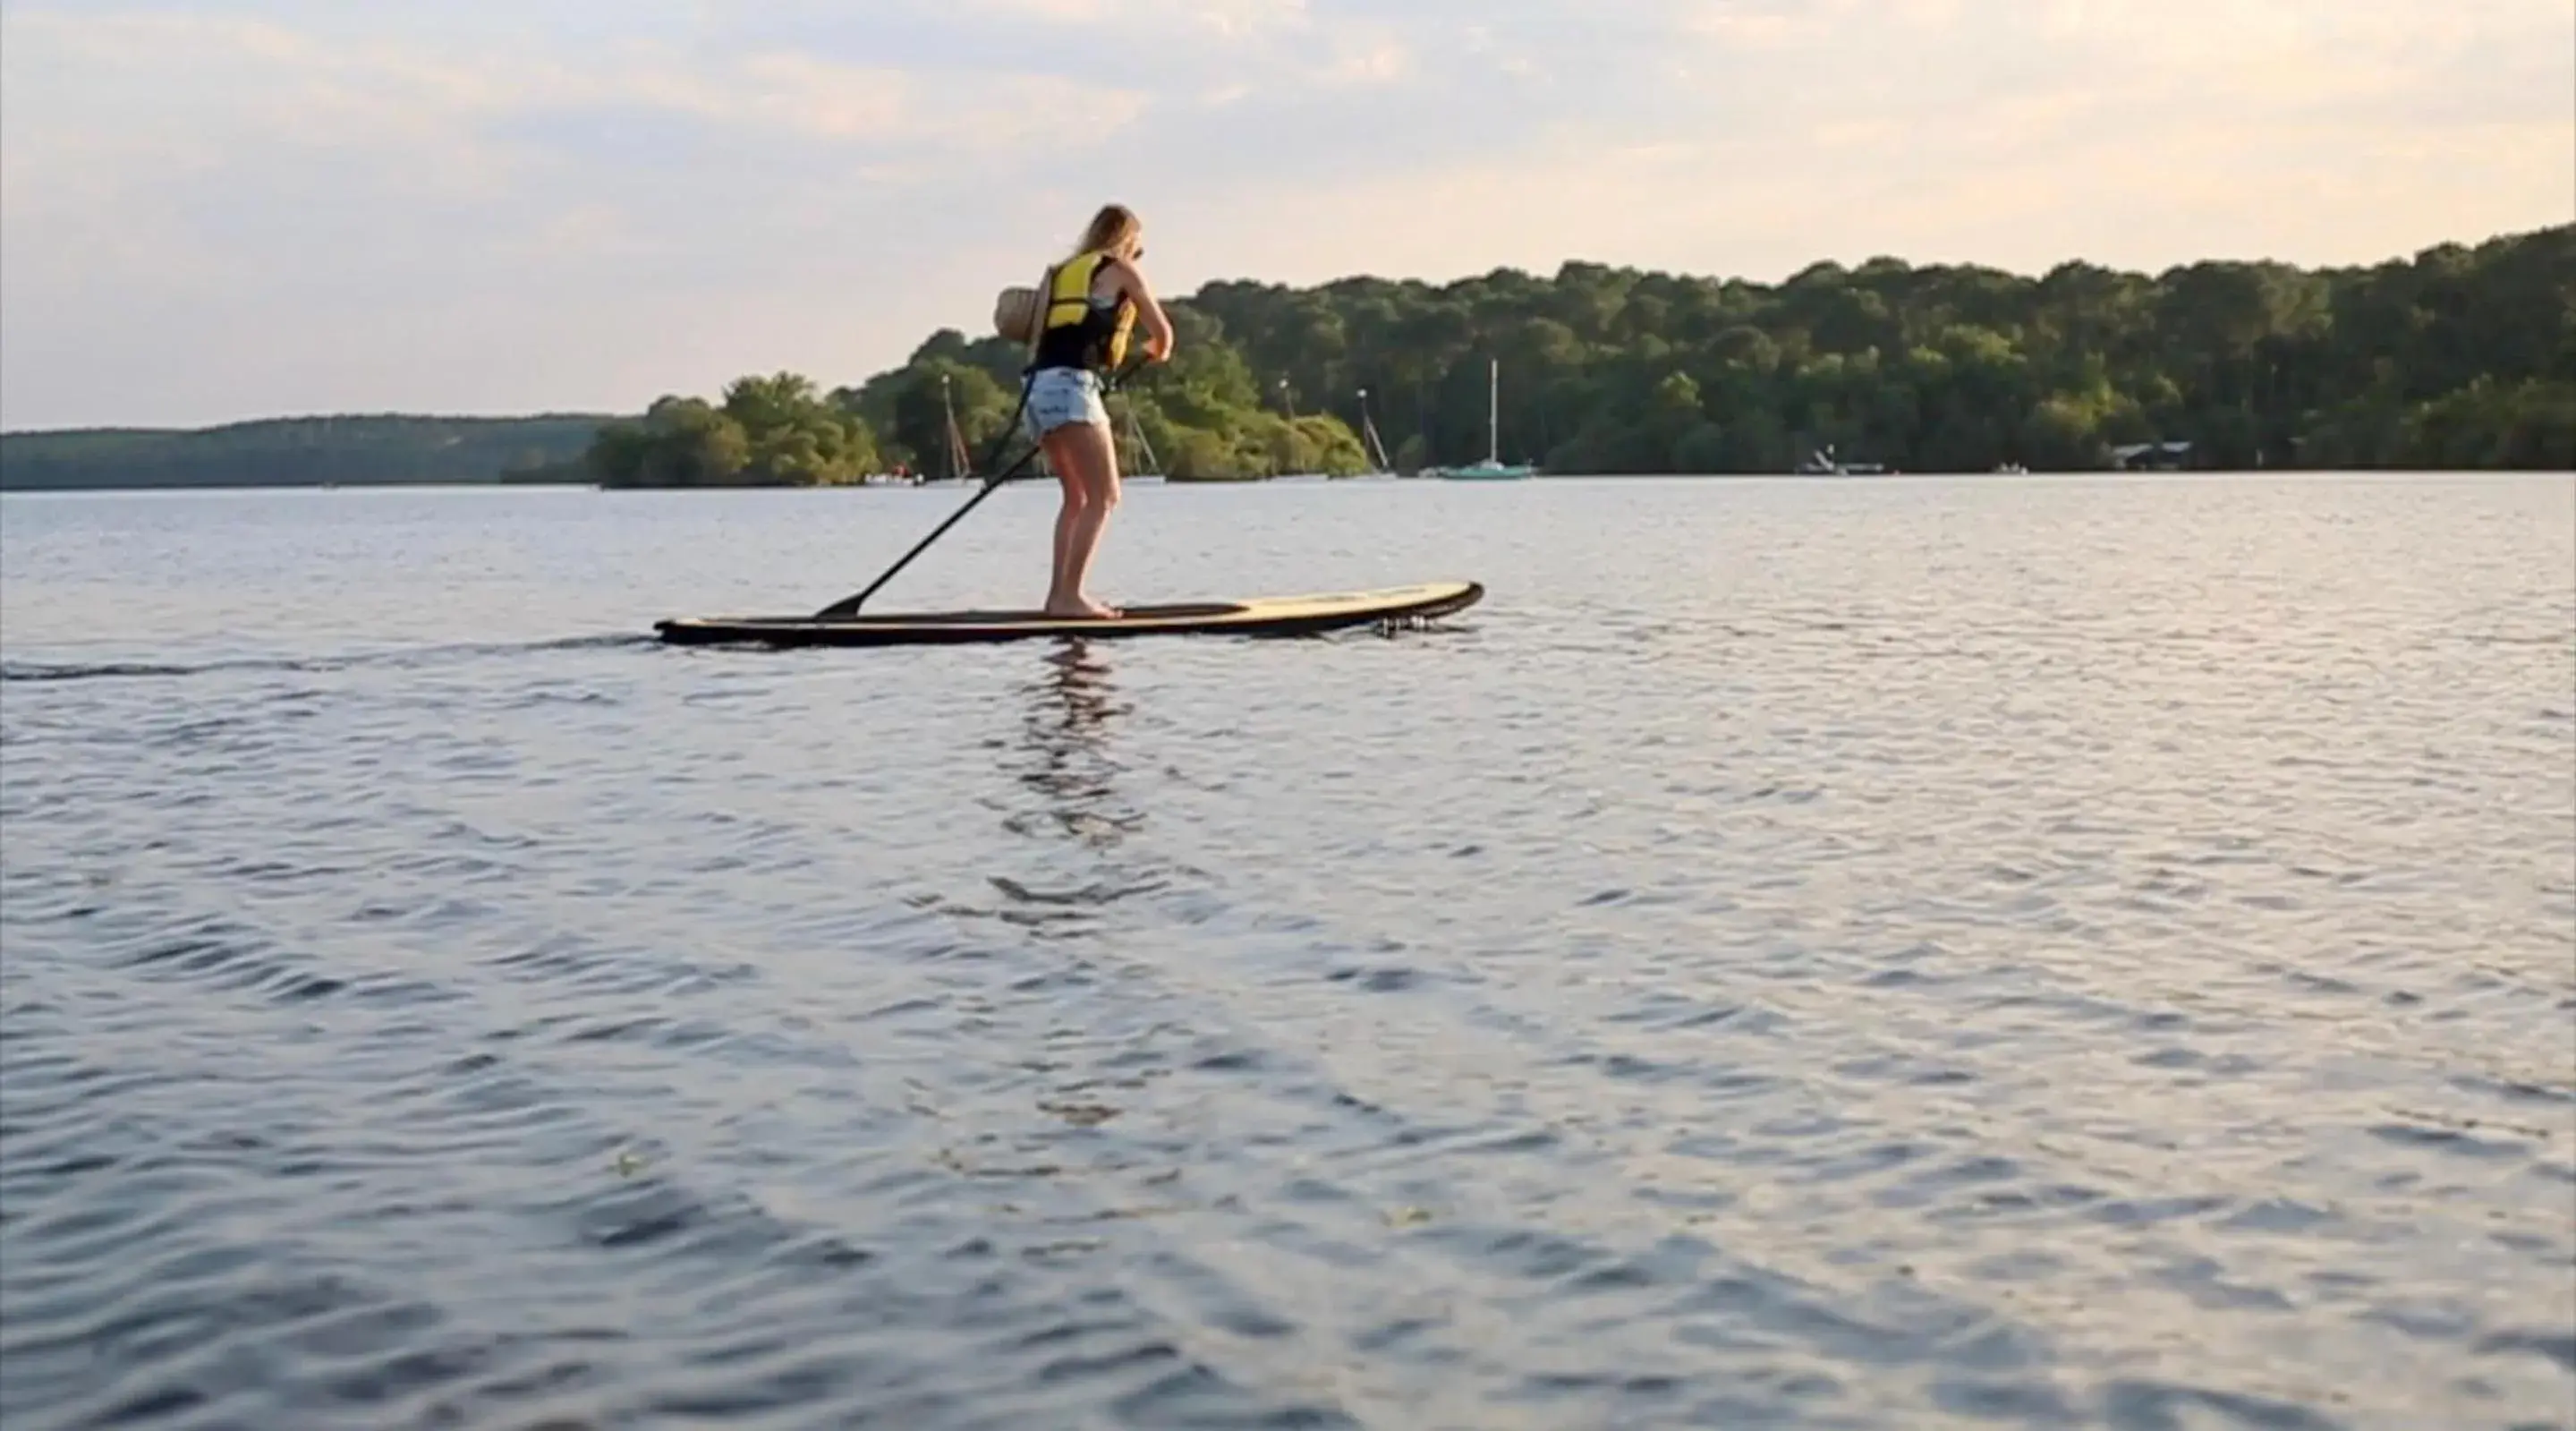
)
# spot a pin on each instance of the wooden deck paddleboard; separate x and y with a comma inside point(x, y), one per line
point(1260, 616)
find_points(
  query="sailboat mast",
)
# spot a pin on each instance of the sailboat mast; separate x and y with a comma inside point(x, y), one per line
point(1150, 465)
point(956, 440)
point(1494, 412)
point(1376, 445)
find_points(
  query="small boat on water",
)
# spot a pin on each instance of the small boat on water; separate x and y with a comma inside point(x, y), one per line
point(1493, 468)
point(1823, 463)
point(1487, 470)
point(2151, 457)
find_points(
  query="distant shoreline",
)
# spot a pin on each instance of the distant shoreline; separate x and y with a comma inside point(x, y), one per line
point(345, 450)
point(2450, 360)
point(488, 486)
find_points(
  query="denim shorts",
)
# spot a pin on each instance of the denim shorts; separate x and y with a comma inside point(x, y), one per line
point(1061, 395)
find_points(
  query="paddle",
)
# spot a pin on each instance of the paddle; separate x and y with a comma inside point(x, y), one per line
point(849, 605)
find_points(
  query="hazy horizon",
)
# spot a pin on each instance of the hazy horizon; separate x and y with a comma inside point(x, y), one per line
point(226, 210)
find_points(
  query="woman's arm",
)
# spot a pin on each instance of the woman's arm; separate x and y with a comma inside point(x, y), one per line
point(1158, 325)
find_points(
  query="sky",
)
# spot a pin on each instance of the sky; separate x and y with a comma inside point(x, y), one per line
point(213, 210)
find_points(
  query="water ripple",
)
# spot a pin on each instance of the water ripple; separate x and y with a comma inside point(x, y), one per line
point(1807, 954)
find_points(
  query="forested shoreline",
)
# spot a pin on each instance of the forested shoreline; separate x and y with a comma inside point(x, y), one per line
point(2458, 357)
point(363, 449)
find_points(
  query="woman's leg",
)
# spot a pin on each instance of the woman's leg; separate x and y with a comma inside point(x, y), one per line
point(1061, 592)
point(1087, 463)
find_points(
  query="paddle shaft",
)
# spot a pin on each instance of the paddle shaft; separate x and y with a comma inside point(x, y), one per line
point(849, 605)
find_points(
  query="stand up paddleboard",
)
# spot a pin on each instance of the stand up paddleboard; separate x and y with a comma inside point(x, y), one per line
point(1261, 616)
point(840, 623)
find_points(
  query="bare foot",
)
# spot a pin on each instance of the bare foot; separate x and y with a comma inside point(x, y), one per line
point(1083, 608)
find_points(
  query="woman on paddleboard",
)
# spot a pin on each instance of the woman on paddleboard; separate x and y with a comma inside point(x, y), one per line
point(1089, 302)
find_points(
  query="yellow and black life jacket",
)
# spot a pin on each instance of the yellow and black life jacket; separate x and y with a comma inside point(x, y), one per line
point(1077, 330)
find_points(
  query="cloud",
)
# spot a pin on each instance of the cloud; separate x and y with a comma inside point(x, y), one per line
point(212, 208)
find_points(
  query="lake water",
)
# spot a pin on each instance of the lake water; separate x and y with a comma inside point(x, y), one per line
point(1909, 953)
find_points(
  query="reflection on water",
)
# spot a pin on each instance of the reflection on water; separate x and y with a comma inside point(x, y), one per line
point(1067, 760)
point(1071, 707)
point(1925, 954)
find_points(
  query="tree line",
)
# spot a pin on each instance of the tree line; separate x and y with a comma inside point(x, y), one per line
point(367, 449)
point(2458, 357)
point(948, 411)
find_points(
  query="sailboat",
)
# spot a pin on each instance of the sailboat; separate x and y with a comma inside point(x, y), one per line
point(1136, 459)
point(1372, 447)
point(955, 456)
point(1492, 468)
point(961, 459)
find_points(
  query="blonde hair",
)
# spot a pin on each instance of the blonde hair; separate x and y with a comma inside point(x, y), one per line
point(1112, 229)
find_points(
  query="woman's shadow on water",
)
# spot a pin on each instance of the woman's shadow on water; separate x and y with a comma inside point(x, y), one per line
point(1068, 760)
